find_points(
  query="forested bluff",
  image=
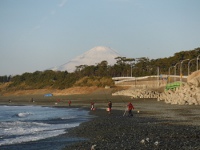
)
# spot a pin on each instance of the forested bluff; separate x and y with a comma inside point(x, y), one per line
point(100, 75)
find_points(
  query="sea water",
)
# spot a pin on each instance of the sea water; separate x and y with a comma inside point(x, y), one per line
point(37, 127)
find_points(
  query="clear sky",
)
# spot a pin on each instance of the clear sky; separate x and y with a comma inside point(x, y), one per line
point(40, 34)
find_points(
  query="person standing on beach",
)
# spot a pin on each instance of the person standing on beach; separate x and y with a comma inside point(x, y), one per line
point(109, 106)
point(32, 100)
point(92, 106)
point(69, 102)
point(130, 108)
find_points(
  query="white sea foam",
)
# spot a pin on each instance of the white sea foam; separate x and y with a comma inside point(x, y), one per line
point(27, 132)
point(69, 117)
point(24, 114)
point(35, 123)
point(33, 137)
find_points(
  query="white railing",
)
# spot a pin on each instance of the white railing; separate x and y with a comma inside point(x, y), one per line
point(137, 81)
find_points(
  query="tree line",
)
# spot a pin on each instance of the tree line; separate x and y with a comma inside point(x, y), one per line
point(102, 73)
point(5, 78)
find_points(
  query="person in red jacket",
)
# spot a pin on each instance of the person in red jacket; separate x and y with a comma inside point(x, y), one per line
point(130, 108)
point(92, 106)
point(69, 102)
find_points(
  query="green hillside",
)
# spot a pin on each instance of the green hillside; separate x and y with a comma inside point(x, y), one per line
point(101, 74)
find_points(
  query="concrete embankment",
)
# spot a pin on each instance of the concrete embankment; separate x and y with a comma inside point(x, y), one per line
point(187, 93)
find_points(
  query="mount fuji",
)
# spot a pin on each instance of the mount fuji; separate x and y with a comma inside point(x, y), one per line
point(90, 57)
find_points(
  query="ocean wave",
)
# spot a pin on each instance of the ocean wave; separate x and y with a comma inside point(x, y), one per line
point(21, 128)
point(33, 137)
point(27, 123)
point(24, 114)
point(30, 131)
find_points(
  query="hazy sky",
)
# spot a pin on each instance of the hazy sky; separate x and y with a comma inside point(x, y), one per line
point(40, 34)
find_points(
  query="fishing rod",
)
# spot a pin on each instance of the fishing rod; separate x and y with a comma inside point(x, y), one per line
point(125, 105)
point(120, 98)
point(125, 111)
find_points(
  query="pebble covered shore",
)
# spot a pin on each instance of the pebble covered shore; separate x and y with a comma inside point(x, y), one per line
point(115, 131)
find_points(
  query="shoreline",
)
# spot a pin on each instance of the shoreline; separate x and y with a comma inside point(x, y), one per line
point(171, 126)
point(187, 114)
point(138, 132)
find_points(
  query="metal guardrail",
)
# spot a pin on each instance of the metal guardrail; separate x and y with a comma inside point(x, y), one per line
point(159, 81)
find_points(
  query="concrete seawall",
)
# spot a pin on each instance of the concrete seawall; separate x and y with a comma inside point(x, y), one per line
point(187, 94)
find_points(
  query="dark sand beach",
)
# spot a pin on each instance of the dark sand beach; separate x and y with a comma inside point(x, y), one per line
point(157, 125)
point(109, 132)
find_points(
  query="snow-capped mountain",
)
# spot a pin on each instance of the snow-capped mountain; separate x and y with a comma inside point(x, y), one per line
point(90, 57)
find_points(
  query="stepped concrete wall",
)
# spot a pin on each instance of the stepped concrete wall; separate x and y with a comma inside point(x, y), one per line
point(188, 93)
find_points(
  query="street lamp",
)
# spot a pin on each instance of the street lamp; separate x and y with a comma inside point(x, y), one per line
point(169, 73)
point(175, 71)
point(131, 70)
point(181, 69)
point(189, 66)
point(198, 62)
point(131, 64)
point(158, 72)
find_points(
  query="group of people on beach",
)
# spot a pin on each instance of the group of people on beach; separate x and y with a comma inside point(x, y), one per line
point(130, 107)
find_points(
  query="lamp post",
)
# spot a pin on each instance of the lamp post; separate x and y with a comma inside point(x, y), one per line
point(158, 72)
point(198, 62)
point(175, 70)
point(131, 64)
point(131, 70)
point(181, 69)
point(169, 73)
point(189, 66)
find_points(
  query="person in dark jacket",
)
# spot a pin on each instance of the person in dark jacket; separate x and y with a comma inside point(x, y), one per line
point(109, 107)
